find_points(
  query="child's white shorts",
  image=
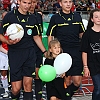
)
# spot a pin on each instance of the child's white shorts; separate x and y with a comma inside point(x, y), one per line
point(3, 61)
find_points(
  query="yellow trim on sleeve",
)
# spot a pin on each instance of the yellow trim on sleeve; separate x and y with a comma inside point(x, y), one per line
point(80, 24)
point(52, 29)
point(82, 27)
point(37, 29)
point(5, 25)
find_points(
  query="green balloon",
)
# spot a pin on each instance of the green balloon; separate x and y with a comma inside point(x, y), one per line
point(47, 73)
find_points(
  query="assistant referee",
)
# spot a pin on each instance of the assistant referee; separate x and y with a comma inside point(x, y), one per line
point(68, 28)
point(39, 54)
point(21, 53)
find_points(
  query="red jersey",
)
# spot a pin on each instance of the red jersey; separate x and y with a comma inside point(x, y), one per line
point(98, 5)
point(73, 8)
point(6, 3)
point(4, 45)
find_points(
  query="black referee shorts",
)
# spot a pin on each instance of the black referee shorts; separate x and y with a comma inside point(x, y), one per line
point(77, 66)
point(39, 57)
point(22, 63)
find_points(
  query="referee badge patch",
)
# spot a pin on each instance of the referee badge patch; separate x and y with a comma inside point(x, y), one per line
point(29, 31)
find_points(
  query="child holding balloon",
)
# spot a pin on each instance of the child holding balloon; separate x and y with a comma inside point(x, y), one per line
point(55, 88)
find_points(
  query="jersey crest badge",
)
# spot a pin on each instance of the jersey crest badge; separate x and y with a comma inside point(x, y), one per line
point(29, 31)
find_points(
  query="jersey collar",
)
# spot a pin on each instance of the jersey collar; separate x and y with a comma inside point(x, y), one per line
point(17, 12)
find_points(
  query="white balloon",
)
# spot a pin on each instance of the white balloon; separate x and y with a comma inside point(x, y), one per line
point(62, 63)
point(43, 60)
point(15, 31)
point(85, 23)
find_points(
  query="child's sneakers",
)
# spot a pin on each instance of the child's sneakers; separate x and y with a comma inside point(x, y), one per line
point(6, 94)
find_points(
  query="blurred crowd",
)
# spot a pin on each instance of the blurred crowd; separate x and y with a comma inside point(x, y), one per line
point(53, 5)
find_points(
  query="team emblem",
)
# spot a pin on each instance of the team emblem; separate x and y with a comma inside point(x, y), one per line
point(29, 32)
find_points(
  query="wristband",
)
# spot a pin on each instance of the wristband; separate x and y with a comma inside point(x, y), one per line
point(44, 51)
point(85, 66)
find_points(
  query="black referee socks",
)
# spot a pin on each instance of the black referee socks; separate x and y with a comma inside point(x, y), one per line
point(15, 97)
point(38, 89)
point(67, 90)
point(73, 89)
point(28, 96)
